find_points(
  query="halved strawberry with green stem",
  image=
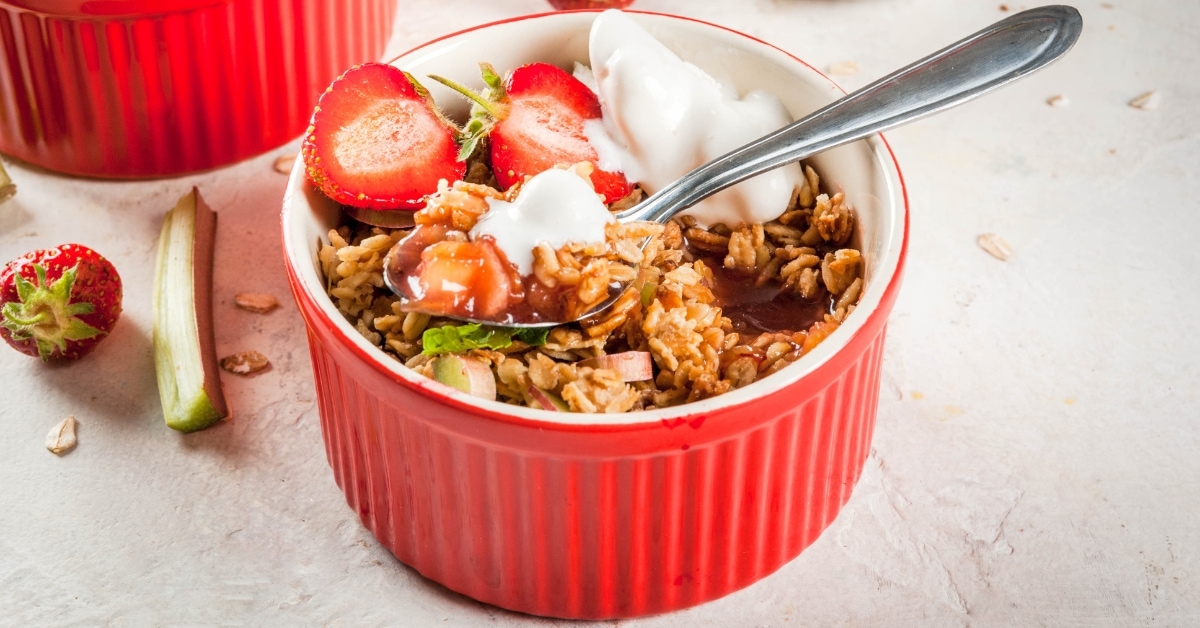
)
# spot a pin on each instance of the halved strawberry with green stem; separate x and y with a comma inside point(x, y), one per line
point(377, 141)
point(58, 303)
point(535, 120)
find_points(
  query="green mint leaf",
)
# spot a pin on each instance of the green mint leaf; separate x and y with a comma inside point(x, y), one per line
point(533, 336)
point(438, 340)
point(463, 338)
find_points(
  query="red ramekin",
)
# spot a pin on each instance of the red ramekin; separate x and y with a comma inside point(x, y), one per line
point(602, 516)
point(142, 88)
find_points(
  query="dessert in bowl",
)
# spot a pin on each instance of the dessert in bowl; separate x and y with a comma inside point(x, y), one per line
point(594, 515)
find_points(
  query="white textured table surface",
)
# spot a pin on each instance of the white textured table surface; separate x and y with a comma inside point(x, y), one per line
point(1037, 452)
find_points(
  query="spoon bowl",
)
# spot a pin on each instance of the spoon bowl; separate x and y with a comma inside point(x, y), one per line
point(991, 58)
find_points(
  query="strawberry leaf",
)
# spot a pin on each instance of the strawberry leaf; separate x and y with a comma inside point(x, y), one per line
point(47, 346)
point(60, 290)
point(420, 89)
point(18, 321)
point(494, 82)
point(486, 108)
point(25, 289)
point(79, 330)
point(476, 129)
point(75, 309)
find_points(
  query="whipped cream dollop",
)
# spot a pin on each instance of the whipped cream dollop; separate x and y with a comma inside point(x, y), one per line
point(663, 116)
point(555, 206)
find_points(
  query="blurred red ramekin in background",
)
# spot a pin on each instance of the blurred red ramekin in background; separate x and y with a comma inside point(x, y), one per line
point(144, 88)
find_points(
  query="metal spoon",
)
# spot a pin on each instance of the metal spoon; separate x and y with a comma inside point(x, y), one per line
point(995, 56)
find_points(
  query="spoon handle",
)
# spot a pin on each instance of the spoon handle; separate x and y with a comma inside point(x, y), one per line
point(991, 58)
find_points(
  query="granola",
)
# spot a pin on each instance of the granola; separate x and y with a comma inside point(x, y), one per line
point(684, 305)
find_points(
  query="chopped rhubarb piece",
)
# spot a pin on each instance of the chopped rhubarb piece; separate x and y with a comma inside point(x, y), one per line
point(466, 374)
point(547, 400)
point(631, 366)
point(184, 349)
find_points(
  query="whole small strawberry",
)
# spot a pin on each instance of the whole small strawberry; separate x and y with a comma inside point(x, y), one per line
point(563, 5)
point(58, 303)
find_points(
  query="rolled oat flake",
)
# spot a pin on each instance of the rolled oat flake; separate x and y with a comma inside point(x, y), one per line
point(1148, 101)
point(283, 164)
point(245, 362)
point(61, 438)
point(995, 246)
point(256, 302)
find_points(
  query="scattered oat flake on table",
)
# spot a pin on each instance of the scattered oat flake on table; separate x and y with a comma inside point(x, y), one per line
point(1058, 100)
point(1147, 102)
point(995, 246)
point(260, 303)
point(844, 68)
point(245, 362)
point(61, 438)
point(283, 165)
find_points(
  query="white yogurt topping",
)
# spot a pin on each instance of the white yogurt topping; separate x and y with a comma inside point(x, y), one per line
point(664, 116)
point(555, 206)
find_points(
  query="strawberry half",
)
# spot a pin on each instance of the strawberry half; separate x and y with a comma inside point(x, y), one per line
point(536, 122)
point(59, 303)
point(377, 141)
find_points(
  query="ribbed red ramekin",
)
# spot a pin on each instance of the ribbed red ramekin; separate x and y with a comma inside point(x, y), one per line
point(142, 88)
point(602, 516)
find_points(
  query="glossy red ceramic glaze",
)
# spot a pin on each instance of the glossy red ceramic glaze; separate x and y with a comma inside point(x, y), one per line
point(589, 519)
point(134, 88)
point(604, 521)
point(108, 8)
